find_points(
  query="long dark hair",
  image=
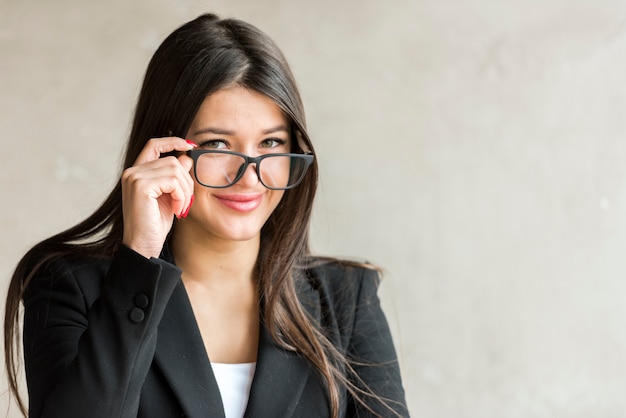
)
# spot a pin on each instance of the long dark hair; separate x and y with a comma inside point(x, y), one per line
point(200, 58)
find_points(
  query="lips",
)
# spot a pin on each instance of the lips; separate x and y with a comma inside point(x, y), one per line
point(240, 202)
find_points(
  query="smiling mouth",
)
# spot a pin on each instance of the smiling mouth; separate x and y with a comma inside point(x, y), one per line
point(240, 202)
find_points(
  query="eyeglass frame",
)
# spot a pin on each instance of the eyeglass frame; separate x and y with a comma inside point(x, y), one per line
point(196, 153)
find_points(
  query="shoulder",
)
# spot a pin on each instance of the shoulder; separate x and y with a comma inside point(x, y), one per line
point(341, 297)
point(341, 278)
point(126, 273)
point(69, 275)
point(339, 289)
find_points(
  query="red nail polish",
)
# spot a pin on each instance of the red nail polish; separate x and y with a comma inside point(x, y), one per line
point(186, 211)
point(193, 144)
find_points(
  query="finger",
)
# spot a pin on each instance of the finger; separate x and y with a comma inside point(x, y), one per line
point(178, 197)
point(167, 190)
point(155, 147)
point(184, 176)
point(182, 194)
point(187, 164)
point(164, 176)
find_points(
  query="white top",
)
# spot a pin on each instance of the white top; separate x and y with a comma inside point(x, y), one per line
point(234, 381)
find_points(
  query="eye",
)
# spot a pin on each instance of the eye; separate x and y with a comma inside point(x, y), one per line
point(213, 144)
point(273, 143)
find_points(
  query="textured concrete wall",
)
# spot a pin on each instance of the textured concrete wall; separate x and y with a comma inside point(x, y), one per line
point(473, 149)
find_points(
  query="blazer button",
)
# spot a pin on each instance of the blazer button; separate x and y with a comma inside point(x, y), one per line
point(136, 315)
point(142, 300)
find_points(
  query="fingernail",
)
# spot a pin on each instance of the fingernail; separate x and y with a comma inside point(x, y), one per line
point(186, 212)
point(189, 207)
point(193, 144)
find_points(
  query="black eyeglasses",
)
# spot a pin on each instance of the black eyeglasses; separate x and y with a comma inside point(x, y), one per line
point(220, 169)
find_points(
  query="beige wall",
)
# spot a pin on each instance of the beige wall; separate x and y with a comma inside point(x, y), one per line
point(474, 149)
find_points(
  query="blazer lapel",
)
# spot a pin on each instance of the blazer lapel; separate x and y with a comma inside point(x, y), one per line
point(282, 377)
point(279, 381)
point(181, 355)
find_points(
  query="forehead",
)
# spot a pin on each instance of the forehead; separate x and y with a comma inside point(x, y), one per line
point(235, 107)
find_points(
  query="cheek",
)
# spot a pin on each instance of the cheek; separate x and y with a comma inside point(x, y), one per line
point(274, 198)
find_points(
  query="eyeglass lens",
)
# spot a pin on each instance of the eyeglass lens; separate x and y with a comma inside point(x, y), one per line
point(275, 171)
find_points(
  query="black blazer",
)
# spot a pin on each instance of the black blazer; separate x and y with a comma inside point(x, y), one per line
point(118, 338)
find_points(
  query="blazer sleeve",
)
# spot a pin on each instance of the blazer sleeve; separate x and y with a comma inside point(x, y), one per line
point(90, 334)
point(373, 354)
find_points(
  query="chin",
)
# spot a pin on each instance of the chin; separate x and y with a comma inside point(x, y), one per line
point(234, 230)
point(229, 225)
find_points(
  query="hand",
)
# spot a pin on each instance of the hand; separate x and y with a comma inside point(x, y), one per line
point(154, 190)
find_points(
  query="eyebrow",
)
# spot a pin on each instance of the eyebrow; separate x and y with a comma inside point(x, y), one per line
point(279, 128)
point(219, 131)
point(211, 130)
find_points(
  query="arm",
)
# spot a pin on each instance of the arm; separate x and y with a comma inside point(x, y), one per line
point(374, 356)
point(89, 334)
point(91, 361)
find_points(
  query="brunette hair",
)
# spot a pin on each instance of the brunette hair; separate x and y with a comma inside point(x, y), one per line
point(196, 60)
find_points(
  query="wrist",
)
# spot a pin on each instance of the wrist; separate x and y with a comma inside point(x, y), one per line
point(145, 250)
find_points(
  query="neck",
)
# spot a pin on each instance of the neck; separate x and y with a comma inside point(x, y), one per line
point(210, 261)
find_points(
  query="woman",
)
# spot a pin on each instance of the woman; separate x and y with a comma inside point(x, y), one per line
point(191, 291)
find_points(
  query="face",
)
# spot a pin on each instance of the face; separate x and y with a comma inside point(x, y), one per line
point(244, 121)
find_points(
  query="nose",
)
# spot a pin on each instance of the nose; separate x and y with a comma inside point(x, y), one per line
point(250, 177)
